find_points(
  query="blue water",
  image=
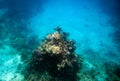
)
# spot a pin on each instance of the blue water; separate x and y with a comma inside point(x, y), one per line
point(93, 24)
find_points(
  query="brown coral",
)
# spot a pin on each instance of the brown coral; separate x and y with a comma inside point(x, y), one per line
point(56, 35)
point(55, 49)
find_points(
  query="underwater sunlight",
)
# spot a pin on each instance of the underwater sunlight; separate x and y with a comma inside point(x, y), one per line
point(59, 40)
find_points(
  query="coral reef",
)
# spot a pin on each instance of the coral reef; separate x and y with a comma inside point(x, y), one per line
point(56, 57)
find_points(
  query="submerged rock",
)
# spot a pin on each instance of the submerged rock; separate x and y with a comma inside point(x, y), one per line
point(56, 57)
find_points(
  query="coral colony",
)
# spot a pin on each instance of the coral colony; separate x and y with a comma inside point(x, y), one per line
point(54, 59)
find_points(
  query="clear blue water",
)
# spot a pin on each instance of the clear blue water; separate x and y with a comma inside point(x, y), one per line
point(93, 24)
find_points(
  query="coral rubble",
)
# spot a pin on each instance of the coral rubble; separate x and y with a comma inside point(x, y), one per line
point(56, 57)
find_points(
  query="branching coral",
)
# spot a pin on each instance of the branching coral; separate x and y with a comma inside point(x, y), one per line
point(56, 56)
